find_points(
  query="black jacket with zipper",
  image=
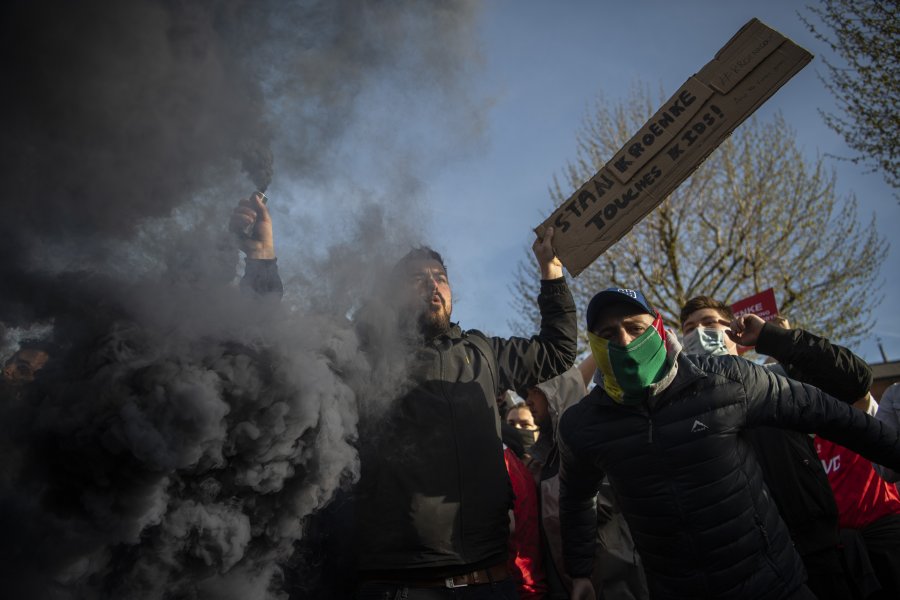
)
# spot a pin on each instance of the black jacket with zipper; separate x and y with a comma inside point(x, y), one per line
point(689, 483)
point(790, 465)
point(434, 495)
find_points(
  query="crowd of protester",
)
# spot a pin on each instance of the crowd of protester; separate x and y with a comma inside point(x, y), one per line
point(840, 509)
point(659, 466)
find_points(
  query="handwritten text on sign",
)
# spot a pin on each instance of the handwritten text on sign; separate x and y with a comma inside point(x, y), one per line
point(673, 142)
point(601, 199)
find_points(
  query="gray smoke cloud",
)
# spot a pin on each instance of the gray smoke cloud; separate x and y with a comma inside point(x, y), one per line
point(183, 434)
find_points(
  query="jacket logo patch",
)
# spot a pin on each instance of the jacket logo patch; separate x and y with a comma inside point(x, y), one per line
point(698, 426)
point(832, 465)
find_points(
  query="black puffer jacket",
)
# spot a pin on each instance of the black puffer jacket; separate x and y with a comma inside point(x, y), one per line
point(690, 486)
point(814, 360)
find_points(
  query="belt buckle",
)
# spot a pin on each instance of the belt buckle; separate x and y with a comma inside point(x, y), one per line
point(452, 584)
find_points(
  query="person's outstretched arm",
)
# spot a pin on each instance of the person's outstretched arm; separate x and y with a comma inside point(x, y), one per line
point(807, 357)
point(587, 368)
point(776, 401)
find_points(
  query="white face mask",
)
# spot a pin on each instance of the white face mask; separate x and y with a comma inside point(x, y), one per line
point(706, 341)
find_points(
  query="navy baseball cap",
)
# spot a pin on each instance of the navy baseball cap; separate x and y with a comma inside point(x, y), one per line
point(615, 295)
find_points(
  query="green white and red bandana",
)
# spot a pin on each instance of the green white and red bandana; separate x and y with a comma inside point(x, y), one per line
point(629, 370)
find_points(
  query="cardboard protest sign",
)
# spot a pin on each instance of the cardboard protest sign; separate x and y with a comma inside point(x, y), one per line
point(762, 305)
point(671, 145)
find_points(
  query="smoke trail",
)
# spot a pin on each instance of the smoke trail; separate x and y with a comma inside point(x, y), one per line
point(181, 434)
point(128, 110)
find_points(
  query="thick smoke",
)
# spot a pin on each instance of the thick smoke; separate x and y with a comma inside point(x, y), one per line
point(183, 433)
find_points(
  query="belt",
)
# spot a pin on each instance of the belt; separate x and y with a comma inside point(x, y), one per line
point(481, 576)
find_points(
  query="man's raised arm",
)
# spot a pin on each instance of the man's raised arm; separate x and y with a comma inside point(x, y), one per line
point(807, 357)
point(776, 401)
point(252, 225)
point(524, 362)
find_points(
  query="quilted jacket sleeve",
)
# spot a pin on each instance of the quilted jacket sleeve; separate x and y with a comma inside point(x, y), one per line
point(816, 361)
point(777, 401)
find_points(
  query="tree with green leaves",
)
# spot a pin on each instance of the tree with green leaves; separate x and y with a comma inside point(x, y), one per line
point(756, 214)
point(865, 80)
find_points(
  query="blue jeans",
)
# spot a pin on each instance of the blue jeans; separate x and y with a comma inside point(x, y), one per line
point(501, 590)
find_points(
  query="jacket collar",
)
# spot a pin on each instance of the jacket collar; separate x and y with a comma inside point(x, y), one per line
point(688, 374)
point(453, 333)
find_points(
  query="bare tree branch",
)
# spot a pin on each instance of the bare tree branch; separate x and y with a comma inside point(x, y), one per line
point(756, 214)
point(865, 35)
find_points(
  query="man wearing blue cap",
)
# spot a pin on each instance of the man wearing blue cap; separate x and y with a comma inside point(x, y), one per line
point(665, 428)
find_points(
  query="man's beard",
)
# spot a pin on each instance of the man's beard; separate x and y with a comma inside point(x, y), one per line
point(433, 323)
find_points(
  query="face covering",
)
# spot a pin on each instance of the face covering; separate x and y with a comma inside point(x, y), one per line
point(629, 370)
point(706, 341)
point(529, 437)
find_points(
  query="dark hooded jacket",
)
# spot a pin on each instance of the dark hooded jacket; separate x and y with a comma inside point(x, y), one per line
point(434, 494)
point(689, 483)
point(791, 467)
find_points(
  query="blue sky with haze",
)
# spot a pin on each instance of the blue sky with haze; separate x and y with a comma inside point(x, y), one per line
point(544, 64)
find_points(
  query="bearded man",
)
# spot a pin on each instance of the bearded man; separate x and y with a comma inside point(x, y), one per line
point(432, 503)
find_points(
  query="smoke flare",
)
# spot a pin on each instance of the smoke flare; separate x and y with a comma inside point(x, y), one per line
point(182, 434)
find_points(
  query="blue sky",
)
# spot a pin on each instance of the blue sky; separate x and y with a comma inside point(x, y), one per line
point(544, 64)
